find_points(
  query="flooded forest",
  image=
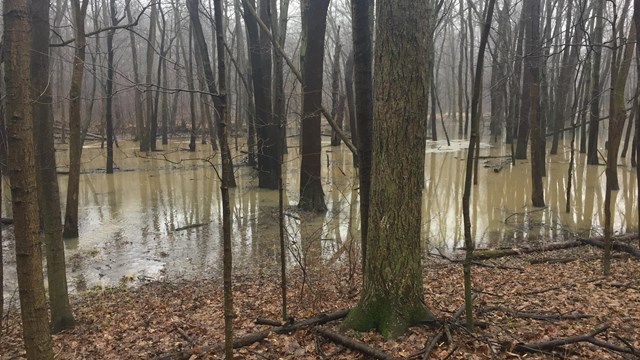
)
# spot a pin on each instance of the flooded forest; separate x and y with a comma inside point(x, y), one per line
point(316, 179)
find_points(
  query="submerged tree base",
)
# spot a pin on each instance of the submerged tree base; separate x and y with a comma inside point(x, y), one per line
point(391, 320)
point(313, 203)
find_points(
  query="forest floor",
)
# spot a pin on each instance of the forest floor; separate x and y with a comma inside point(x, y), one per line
point(164, 317)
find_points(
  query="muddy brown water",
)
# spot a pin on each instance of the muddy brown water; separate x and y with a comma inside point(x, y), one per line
point(130, 221)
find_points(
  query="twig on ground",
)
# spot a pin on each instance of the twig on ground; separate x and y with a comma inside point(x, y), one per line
point(353, 344)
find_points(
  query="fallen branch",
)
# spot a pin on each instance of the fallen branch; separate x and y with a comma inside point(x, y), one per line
point(353, 344)
point(590, 338)
point(258, 336)
point(534, 315)
point(615, 245)
point(186, 227)
point(486, 254)
point(444, 330)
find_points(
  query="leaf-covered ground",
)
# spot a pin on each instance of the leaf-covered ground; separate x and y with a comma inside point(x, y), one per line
point(143, 322)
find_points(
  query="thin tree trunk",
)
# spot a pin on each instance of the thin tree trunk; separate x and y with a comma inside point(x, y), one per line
point(219, 100)
point(75, 146)
point(136, 79)
point(348, 84)
point(145, 141)
point(48, 192)
point(335, 88)
point(109, 88)
point(474, 139)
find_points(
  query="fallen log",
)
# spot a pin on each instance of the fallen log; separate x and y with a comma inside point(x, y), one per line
point(255, 337)
point(352, 343)
point(485, 254)
point(615, 245)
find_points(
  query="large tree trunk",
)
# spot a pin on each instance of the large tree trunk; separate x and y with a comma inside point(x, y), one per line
point(393, 296)
point(75, 146)
point(314, 24)
point(269, 136)
point(592, 145)
point(22, 175)
point(48, 192)
point(636, 20)
point(531, 89)
point(362, 11)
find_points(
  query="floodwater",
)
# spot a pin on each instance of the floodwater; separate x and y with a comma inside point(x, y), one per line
point(130, 221)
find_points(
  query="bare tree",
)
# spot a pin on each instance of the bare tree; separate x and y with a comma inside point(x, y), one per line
point(79, 11)
point(48, 191)
point(387, 303)
point(314, 24)
point(22, 175)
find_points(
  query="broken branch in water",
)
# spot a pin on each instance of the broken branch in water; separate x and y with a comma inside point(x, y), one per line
point(186, 227)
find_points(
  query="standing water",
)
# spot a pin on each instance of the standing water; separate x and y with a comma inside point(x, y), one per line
point(158, 216)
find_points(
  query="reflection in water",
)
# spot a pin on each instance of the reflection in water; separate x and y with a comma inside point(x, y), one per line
point(128, 220)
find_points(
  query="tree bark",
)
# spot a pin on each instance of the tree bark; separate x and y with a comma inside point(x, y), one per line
point(79, 12)
point(531, 89)
point(136, 79)
point(636, 20)
point(314, 23)
point(269, 131)
point(362, 30)
point(393, 296)
point(592, 145)
point(48, 192)
point(22, 176)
